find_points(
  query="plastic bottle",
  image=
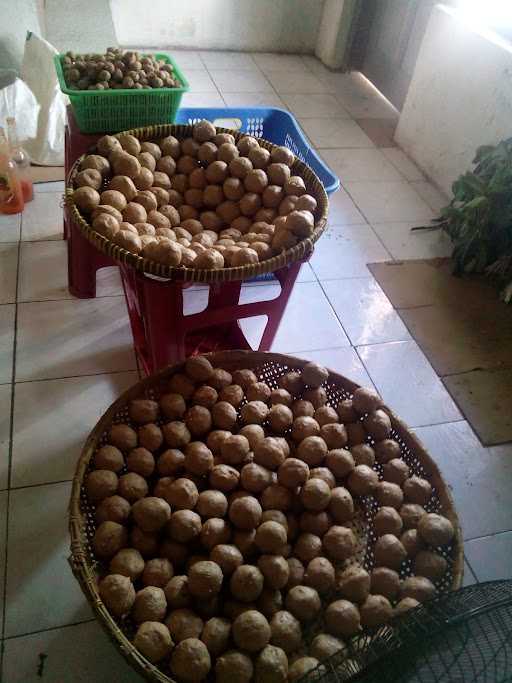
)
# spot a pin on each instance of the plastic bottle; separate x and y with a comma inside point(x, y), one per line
point(21, 159)
point(11, 193)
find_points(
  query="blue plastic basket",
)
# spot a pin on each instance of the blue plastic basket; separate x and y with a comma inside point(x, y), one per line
point(275, 125)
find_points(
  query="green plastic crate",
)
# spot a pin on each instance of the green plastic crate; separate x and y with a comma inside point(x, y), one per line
point(111, 111)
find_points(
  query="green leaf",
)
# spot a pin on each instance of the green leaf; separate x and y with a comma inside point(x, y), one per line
point(477, 203)
point(478, 219)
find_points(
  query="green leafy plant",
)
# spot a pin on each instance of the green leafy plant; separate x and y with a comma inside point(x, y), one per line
point(479, 218)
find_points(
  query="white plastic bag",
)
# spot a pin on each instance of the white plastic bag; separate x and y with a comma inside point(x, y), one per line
point(17, 99)
point(38, 72)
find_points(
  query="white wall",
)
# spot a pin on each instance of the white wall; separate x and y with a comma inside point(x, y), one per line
point(275, 25)
point(16, 18)
point(460, 97)
point(80, 25)
point(333, 32)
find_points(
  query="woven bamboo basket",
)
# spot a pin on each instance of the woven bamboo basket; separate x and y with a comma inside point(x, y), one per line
point(269, 367)
point(300, 251)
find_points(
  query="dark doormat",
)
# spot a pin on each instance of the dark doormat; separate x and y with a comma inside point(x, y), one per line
point(466, 333)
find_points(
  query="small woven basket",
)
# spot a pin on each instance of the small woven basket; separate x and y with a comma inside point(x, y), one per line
point(300, 251)
point(269, 367)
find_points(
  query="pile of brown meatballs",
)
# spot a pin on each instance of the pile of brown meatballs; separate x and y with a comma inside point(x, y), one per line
point(205, 201)
point(226, 522)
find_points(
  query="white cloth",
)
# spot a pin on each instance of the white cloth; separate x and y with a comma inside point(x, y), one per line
point(46, 148)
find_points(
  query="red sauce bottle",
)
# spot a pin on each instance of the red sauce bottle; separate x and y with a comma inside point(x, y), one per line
point(11, 192)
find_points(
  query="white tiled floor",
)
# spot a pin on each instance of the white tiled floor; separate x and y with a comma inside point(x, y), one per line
point(399, 370)
point(73, 357)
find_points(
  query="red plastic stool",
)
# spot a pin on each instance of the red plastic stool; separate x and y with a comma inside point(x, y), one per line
point(163, 334)
point(84, 260)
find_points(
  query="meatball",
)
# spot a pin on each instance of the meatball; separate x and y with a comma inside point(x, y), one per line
point(182, 494)
point(118, 594)
point(285, 631)
point(303, 602)
point(301, 667)
point(157, 572)
point(183, 623)
point(324, 646)
point(228, 557)
point(190, 660)
point(109, 539)
point(404, 605)
point(341, 505)
point(387, 521)
point(212, 504)
point(312, 450)
point(340, 461)
point(153, 640)
point(233, 667)
point(412, 542)
point(435, 529)
point(396, 471)
point(385, 581)
point(215, 531)
point(270, 537)
point(389, 552)
point(316, 523)
point(418, 587)
point(362, 480)
point(307, 547)
point(353, 583)
point(315, 495)
point(275, 570)
point(339, 542)
point(389, 494)
point(342, 618)
point(430, 564)
point(251, 631)
point(417, 490)
point(216, 634)
point(184, 526)
point(246, 583)
point(177, 593)
point(375, 610)
point(127, 562)
point(224, 478)
point(320, 575)
point(271, 665)
point(205, 579)
point(150, 605)
point(245, 513)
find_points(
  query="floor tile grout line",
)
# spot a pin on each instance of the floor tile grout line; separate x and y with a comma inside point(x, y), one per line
point(493, 535)
point(258, 70)
point(51, 628)
point(470, 567)
point(10, 455)
point(89, 374)
point(73, 298)
point(41, 483)
point(335, 314)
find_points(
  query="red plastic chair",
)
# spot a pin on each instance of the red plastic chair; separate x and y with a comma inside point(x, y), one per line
point(163, 334)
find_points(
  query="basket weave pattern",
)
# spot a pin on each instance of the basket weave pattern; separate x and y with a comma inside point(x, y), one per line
point(269, 367)
point(300, 251)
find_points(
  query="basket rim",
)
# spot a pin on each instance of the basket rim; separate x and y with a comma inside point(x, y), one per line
point(185, 85)
point(301, 251)
point(230, 360)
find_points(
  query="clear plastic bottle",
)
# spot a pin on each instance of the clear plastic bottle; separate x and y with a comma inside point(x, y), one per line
point(11, 193)
point(21, 159)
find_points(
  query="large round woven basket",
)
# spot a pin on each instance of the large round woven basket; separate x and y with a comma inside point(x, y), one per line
point(300, 251)
point(269, 367)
